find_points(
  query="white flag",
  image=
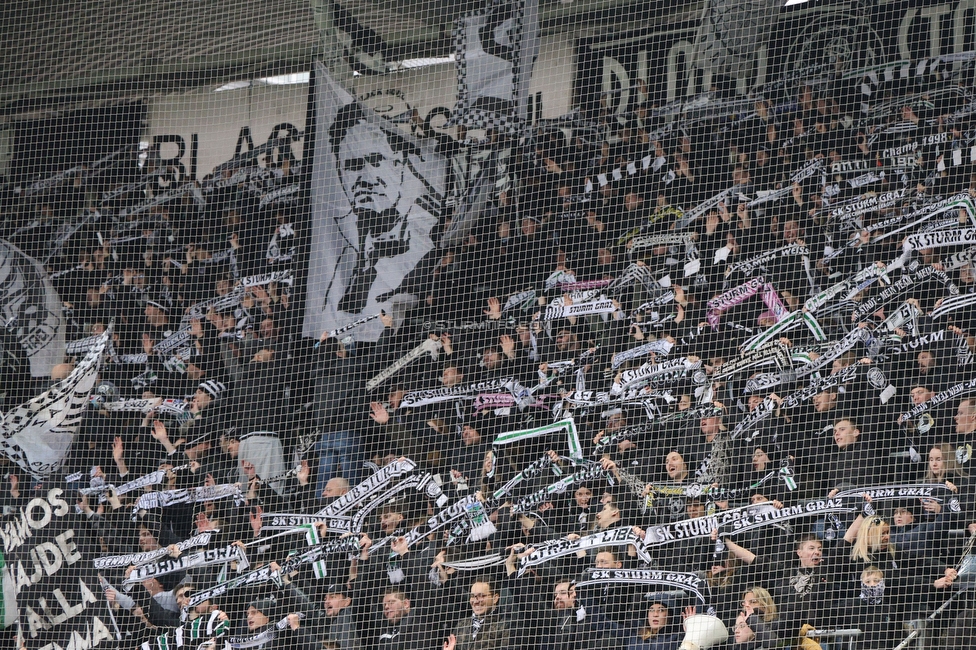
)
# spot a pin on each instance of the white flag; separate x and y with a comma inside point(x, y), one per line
point(37, 434)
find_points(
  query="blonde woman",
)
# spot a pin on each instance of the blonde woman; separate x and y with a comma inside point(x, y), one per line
point(910, 581)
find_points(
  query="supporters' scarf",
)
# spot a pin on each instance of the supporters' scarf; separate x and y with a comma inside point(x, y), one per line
point(809, 169)
point(692, 263)
point(522, 300)
point(429, 346)
point(138, 559)
point(773, 515)
point(167, 498)
point(836, 351)
point(634, 272)
point(281, 195)
point(584, 285)
point(494, 401)
point(849, 287)
point(731, 298)
point(862, 206)
point(422, 483)
point(962, 388)
point(208, 557)
point(774, 352)
point(905, 316)
point(267, 574)
point(959, 260)
point(368, 487)
point(470, 509)
point(419, 398)
point(952, 303)
point(622, 536)
point(790, 322)
point(916, 275)
point(936, 491)
point(748, 266)
point(204, 627)
point(167, 406)
point(437, 326)
point(567, 425)
point(660, 347)
point(738, 295)
point(685, 581)
point(531, 471)
point(559, 368)
point(629, 433)
point(706, 206)
point(661, 299)
point(153, 478)
point(530, 502)
point(557, 311)
point(768, 406)
point(587, 400)
point(353, 325)
point(256, 640)
point(290, 520)
point(654, 371)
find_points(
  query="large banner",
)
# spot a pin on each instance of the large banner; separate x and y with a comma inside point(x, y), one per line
point(800, 41)
point(61, 602)
point(30, 309)
point(376, 196)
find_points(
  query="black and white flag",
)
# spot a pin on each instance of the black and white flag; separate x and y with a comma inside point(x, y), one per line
point(37, 434)
point(30, 309)
point(495, 49)
point(376, 196)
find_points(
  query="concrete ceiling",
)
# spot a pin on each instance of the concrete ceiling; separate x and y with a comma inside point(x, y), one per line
point(60, 53)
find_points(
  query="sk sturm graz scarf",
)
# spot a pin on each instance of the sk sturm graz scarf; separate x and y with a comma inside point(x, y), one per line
point(766, 517)
point(790, 322)
point(749, 266)
point(368, 488)
point(636, 431)
point(685, 581)
point(651, 372)
point(530, 502)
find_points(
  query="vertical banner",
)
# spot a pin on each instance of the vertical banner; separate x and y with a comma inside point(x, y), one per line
point(731, 31)
point(376, 197)
point(30, 307)
point(495, 49)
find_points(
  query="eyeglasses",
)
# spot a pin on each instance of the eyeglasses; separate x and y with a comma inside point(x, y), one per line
point(479, 596)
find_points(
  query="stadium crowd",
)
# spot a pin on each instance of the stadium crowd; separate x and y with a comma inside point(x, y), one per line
point(692, 394)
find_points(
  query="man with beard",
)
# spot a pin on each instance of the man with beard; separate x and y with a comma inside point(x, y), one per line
point(572, 627)
point(340, 630)
point(401, 631)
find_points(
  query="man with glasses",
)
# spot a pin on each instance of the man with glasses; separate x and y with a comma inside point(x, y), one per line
point(485, 629)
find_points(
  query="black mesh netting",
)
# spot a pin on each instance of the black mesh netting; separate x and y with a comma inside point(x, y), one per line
point(496, 325)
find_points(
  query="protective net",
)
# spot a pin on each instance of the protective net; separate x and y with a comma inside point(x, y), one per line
point(488, 325)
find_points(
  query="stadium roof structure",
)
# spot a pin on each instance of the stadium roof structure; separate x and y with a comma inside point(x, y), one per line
point(69, 52)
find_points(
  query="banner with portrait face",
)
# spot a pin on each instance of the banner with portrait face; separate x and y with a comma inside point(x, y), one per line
point(376, 196)
point(30, 309)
